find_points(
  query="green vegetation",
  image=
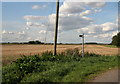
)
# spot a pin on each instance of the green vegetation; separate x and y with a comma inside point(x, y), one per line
point(35, 42)
point(116, 40)
point(29, 42)
point(67, 66)
point(111, 46)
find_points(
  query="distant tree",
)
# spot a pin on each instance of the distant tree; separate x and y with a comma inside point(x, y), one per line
point(91, 43)
point(31, 42)
point(116, 40)
point(35, 42)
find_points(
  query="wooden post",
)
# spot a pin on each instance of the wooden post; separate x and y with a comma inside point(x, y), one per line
point(56, 27)
point(83, 45)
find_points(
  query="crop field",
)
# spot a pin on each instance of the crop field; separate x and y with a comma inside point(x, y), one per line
point(13, 51)
point(64, 67)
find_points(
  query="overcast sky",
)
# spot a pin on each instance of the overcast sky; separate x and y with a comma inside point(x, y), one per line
point(24, 21)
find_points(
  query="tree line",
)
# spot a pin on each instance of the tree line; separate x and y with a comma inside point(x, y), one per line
point(115, 41)
point(29, 42)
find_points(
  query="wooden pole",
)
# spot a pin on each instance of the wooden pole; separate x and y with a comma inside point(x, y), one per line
point(56, 27)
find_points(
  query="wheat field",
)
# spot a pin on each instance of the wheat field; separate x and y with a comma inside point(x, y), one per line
point(14, 51)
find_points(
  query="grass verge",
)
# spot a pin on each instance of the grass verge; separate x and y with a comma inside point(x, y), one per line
point(67, 66)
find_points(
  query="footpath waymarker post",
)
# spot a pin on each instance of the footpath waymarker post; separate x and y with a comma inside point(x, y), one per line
point(82, 44)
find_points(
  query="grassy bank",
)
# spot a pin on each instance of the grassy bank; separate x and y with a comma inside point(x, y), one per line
point(68, 66)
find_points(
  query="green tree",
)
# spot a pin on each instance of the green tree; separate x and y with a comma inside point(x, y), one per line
point(35, 42)
point(116, 40)
point(31, 42)
point(38, 42)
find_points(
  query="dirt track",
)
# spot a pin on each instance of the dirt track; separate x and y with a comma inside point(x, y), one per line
point(109, 76)
point(12, 52)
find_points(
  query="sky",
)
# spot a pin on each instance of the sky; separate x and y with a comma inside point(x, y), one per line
point(25, 21)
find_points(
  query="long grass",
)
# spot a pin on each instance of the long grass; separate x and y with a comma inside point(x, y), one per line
point(67, 66)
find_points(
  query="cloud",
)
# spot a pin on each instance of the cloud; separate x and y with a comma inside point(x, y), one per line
point(87, 12)
point(100, 29)
point(42, 32)
point(13, 36)
point(91, 30)
point(29, 23)
point(72, 7)
point(35, 7)
point(22, 33)
point(78, 7)
point(95, 4)
point(106, 35)
point(72, 16)
point(109, 26)
point(4, 32)
point(66, 22)
point(29, 38)
point(31, 17)
point(97, 32)
point(97, 11)
point(7, 32)
point(74, 22)
point(13, 33)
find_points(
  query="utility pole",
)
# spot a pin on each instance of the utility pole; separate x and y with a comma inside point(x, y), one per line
point(56, 27)
point(82, 44)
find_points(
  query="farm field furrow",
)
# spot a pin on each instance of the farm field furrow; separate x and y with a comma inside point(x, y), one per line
point(99, 49)
point(12, 52)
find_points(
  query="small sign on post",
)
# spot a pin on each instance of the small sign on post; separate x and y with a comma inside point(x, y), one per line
point(80, 35)
point(82, 44)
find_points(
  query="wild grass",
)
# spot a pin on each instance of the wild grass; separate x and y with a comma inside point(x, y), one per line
point(67, 66)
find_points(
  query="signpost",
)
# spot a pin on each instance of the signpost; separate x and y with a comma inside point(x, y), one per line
point(82, 44)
